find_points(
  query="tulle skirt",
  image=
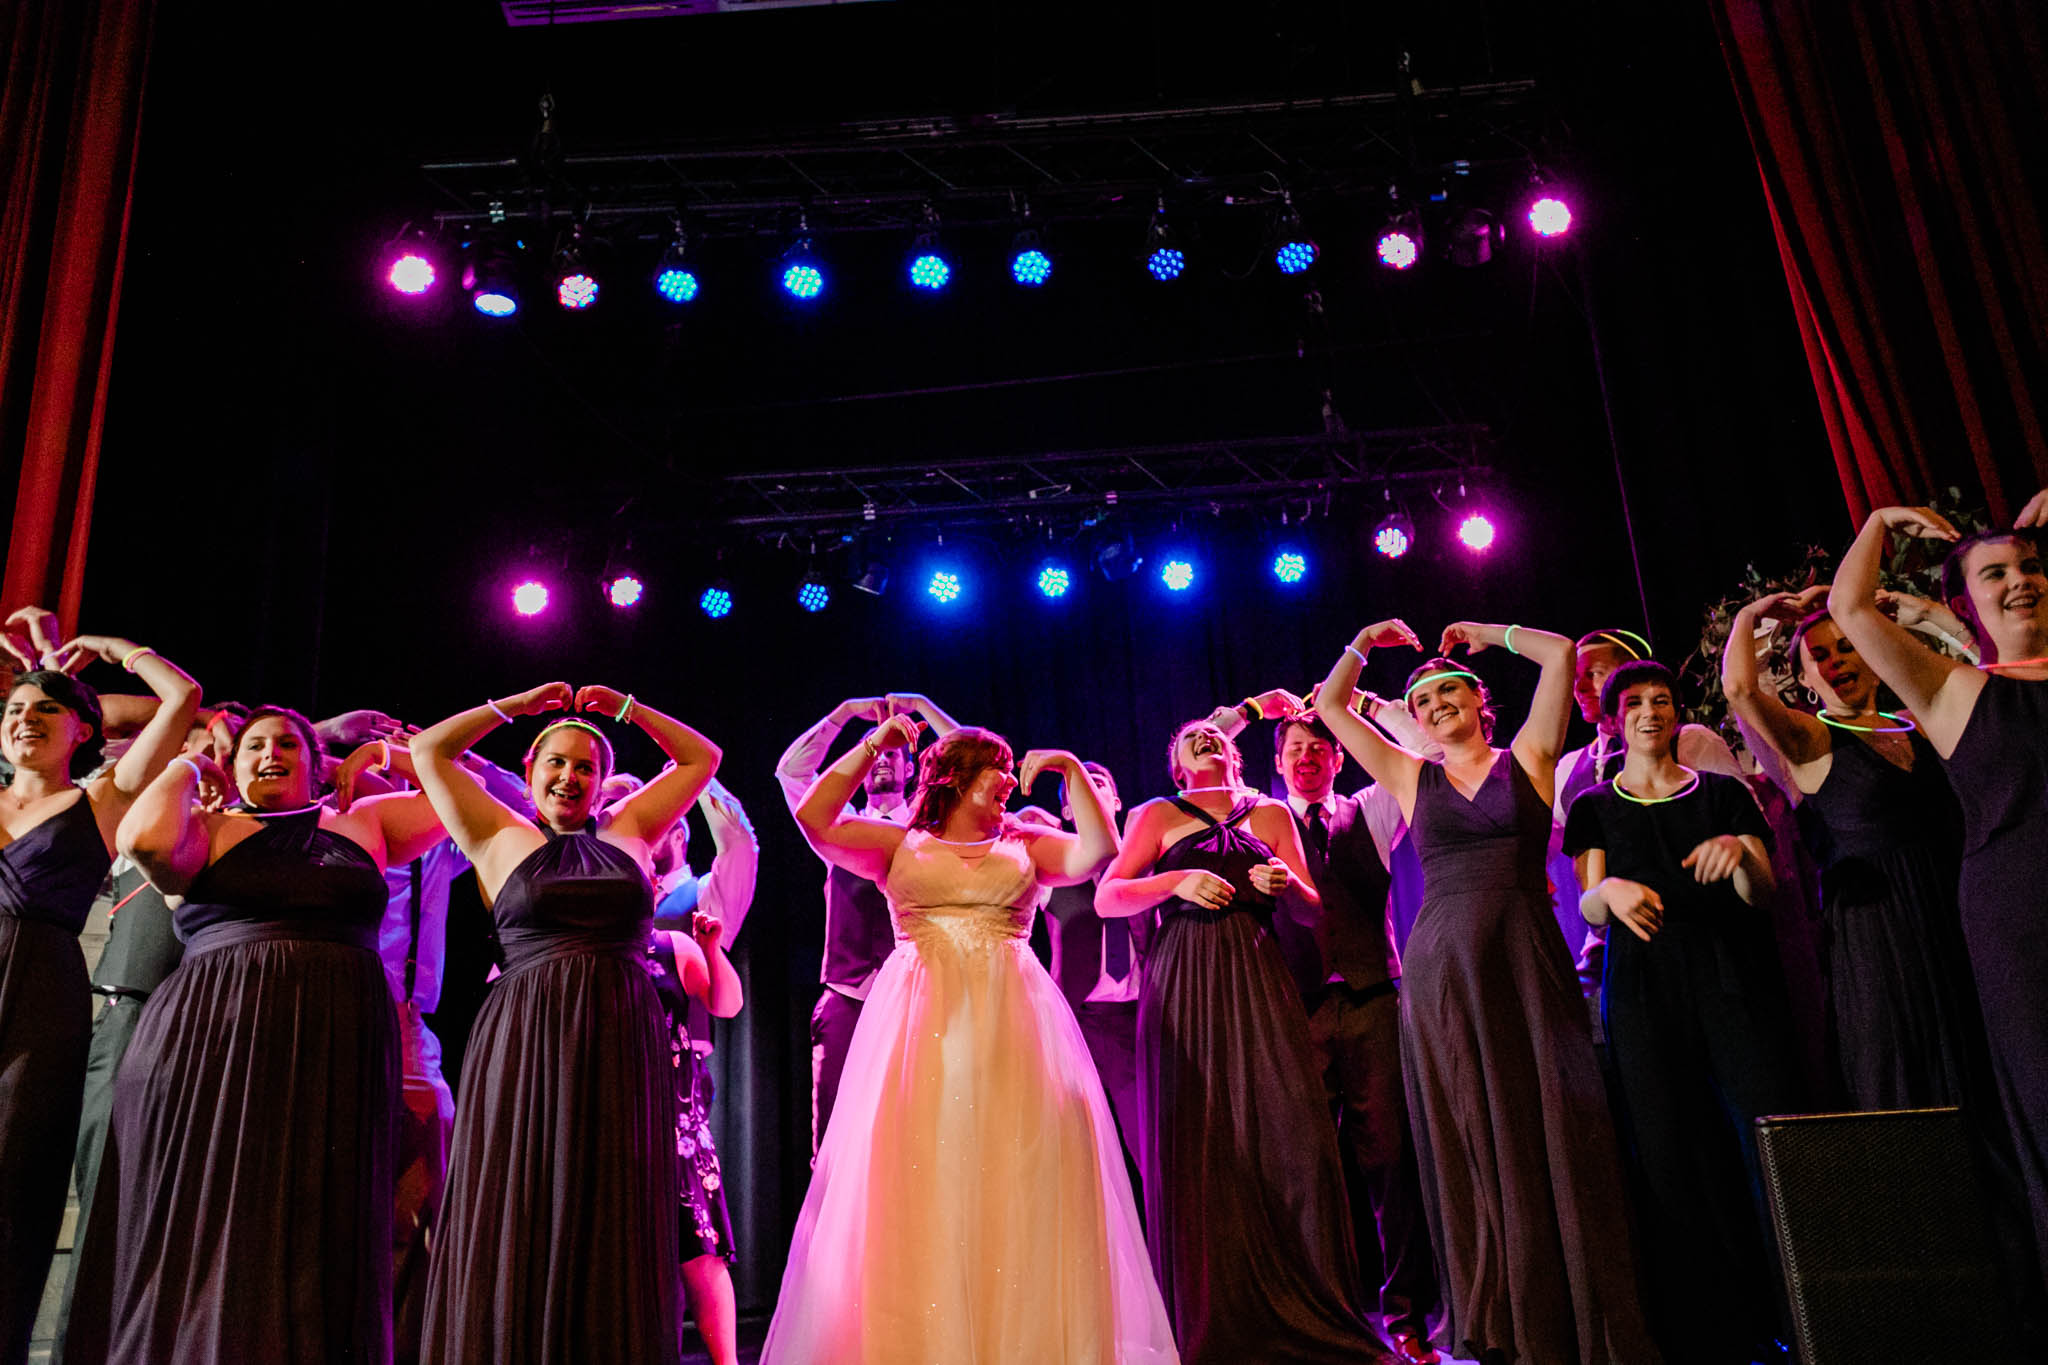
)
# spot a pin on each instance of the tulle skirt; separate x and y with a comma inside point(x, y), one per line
point(970, 1204)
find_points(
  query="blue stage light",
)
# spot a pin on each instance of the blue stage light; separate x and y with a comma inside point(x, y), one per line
point(1177, 574)
point(677, 284)
point(1054, 580)
point(716, 602)
point(944, 586)
point(803, 281)
point(928, 270)
point(495, 303)
point(1166, 263)
point(1031, 267)
point(814, 593)
point(1289, 566)
point(1293, 257)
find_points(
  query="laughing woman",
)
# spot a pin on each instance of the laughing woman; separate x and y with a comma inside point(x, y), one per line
point(249, 1153)
point(56, 839)
point(557, 1243)
point(1519, 1167)
point(1990, 726)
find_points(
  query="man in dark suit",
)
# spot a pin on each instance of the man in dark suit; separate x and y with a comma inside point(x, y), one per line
point(1095, 965)
point(1350, 978)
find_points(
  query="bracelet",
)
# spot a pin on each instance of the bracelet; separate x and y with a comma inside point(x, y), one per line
point(384, 756)
point(1251, 704)
point(626, 710)
point(867, 742)
point(198, 774)
point(134, 654)
point(495, 711)
point(1355, 652)
point(1510, 641)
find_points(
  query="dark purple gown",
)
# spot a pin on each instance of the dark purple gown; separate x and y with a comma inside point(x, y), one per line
point(48, 878)
point(557, 1243)
point(1245, 1212)
point(249, 1153)
point(1519, 1167)
point(1903, 1023)
point(2000, 771)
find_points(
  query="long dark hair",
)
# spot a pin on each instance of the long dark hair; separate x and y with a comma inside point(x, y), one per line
point(74, 696)
point(948, 768)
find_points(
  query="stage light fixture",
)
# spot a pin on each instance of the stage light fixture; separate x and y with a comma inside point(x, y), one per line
point(530, 598)
point(576, 287)
point(409, 262)
point(944, 586)
point(1290, 566)
point(1394, 535)
point(1475, 531)
point(1054, 579)
point(801, 272)
point(624, 590)
point(716, 601)
point(1474, 233)
point(1164, 260)
point(1400, 242)
point(814, 594)
point(928, 268)
point(1177, 574)
point(491, 276)
point(674, 280)
point(1550, 216)
point(1030, 265)
point(1117, 557)
point(1293, 249)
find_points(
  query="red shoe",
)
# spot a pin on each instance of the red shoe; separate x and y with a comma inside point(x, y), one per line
point(1415, 1349)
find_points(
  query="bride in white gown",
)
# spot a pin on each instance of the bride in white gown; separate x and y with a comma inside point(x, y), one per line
point(969, 1204)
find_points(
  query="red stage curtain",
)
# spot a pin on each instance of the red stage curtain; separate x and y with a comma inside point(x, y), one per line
point(1904, 152)
point(71, 78)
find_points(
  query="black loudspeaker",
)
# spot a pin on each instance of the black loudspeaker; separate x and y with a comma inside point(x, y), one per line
point(1882, 1227)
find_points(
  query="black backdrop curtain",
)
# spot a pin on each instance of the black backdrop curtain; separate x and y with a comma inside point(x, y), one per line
point(1904, 151)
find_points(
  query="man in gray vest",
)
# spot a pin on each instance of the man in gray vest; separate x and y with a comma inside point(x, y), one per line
point(858, 935)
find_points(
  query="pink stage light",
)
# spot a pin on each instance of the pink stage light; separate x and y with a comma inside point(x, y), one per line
point(624, 591)
point(1398, 250)
point(530, 598)
point(576, 292)
point(1550, 216)
point(412, 274)
point(1476, 531)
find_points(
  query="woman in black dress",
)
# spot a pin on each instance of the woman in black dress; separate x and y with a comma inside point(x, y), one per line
point(1880, 818)
point(557, 1243)
point(249, 1152)
point(1245, 1213)
point(1519, 1169)
point(56, 842)
point(1990, 725)
point(1696, 1018)
point(692, 968)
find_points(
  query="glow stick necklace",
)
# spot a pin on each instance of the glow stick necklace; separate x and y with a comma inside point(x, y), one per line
point(1905, 725)
point(1627, 795)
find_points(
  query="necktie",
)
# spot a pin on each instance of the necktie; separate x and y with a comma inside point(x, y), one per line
point(1116, 949)
point(1319, 830)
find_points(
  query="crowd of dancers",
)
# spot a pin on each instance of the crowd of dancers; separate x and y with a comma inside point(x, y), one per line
point(1311, 1079)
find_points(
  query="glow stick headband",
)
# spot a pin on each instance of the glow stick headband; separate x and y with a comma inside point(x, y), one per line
point(1636, 645)
point(1429, 678)
point(550, 728)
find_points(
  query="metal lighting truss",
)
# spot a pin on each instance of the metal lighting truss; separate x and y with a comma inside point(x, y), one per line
point(1069, 488)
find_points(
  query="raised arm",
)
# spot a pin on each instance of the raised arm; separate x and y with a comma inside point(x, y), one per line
point(1795, 736)
point(1938, 690)
point(727, 889)
point(648, 813)
point(1064, 859)
point(858, 844)
point(921, 706)
point(469, 814)
point(1126, 888)
point(164, 832)
point(160, 739)
point(1390, 765)
point(1541, 738)
point(710, 976)
point(798, 767)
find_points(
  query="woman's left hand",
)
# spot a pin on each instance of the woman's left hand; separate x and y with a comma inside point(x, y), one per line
point(1466, 633)
point(606, 701)
point(81, 650)
point(1037, 761)
point(706, 928)
point(1271, 877)
point(375, 754)
point(1716, 859)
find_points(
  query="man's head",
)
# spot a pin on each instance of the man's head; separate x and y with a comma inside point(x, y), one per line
point(1105, 786)
point(1600, 652)
point(1308, 757)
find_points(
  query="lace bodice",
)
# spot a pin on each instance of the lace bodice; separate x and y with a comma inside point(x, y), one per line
point(968, 895)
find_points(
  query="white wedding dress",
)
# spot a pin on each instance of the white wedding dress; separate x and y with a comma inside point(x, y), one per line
point(969, 1205)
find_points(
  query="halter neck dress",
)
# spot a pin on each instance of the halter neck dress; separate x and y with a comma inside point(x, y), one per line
point(557, 1242)
point(48, 878)
point(250, 1147)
